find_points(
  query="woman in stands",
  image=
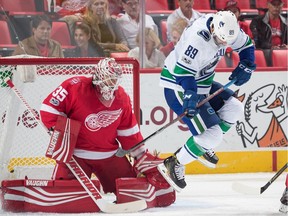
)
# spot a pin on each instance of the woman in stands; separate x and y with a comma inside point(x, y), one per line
point(154, 57)
point(105, 29)
point(85, 47)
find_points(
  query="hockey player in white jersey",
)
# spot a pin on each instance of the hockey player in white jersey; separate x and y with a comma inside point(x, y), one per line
point(187, 78)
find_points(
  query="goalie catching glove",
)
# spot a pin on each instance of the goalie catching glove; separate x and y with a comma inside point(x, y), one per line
point(146, 164)
point(242, 72)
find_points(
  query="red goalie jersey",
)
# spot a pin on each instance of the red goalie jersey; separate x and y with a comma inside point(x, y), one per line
point(103, 125)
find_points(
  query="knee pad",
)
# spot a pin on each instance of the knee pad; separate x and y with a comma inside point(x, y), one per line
point(231, 111)
point(210, 138)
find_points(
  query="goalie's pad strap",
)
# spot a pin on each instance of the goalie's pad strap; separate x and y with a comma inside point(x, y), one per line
point(132, 189)
point(63, 139)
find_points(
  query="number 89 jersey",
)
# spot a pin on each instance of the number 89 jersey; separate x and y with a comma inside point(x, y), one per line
point(196, 54)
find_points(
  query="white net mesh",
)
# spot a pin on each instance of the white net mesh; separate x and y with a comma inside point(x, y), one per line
point(23, 142)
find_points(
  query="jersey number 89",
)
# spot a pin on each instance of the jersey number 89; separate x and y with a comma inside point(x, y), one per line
point(191, 52)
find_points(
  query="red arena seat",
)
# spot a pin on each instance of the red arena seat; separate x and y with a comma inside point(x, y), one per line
point(156, 5)
point(5, 33)
point(198, 4)
point(60, 32)
point(260, 58)
point(222, 63)
point(163, 28)
point(243, 4)
point(280, 58)
point(19, 5)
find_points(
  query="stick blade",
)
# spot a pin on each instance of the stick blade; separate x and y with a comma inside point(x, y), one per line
point(245, 189)
point(128, 207)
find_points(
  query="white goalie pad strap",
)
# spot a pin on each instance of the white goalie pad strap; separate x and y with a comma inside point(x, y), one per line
point(132, 189)
point(63, 139)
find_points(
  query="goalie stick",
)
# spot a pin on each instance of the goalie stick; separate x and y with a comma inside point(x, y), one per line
point(83, 179)
point(121, 152)
point(241, 188)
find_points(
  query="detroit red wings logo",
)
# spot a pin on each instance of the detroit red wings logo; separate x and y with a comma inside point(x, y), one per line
point(95, 122)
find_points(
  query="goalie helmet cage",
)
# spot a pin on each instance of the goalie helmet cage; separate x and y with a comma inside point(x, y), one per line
point(23, 142)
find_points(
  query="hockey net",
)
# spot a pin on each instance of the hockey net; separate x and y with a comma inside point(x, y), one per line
point(23, 142)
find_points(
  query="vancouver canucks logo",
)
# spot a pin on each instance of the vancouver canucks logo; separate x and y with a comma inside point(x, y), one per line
point(95, 122)
point(221, 24)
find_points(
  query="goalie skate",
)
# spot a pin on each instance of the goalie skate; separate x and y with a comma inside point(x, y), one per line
point(173, 172)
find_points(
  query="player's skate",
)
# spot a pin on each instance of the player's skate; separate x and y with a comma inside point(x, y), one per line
point(210, 158)
point(284, 202)
point(173, 172)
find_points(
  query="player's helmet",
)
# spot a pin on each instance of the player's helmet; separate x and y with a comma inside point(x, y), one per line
point(107, 77)
point(225, 26)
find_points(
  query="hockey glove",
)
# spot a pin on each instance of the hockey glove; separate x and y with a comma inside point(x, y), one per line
point(190, 100)
point(242, 72)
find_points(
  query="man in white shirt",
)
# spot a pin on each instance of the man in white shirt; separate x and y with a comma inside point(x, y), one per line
point(130, 21)
point(185, 11)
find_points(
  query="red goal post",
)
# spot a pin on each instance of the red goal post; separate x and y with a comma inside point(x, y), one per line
point(22, 141)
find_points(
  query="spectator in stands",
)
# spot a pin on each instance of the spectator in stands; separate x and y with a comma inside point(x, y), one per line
point(130, 21)
point(85, 46)
point(154, 57)
point(232, 6)
point(105, 30)
point(40, 43)
point(184, 11)
point(177, 28)
point(270, 30)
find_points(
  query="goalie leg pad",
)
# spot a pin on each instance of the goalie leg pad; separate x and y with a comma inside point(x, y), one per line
point(132, 189)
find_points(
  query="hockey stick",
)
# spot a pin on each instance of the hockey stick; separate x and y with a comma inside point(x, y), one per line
point(241, 188)
point(83, 179)
point(121, 152)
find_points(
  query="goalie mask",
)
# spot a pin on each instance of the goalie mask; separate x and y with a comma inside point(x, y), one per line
point(224, 27)
point(107, 77)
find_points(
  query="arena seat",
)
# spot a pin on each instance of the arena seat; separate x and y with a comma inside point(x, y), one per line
point(6, 44)
point(243, 4)
point(61, 33)
point(260, 60)
point(222, 63)
point(5, 33)
point(156, 5)
point(260, 4)
point(280, 57)
point(198, 4)
point(19, 5)
point(163, 29)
